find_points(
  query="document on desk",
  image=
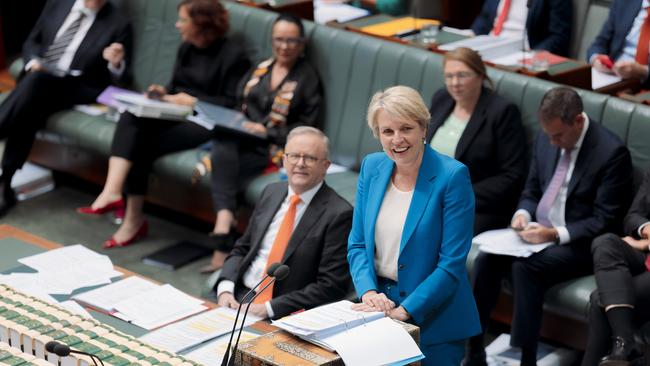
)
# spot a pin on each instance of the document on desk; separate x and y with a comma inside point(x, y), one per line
point(507, 242)
point(212, 352)
point(107, 296)
point(158, 307)
point(601, 79)
point(381, 342)
point(190, 332)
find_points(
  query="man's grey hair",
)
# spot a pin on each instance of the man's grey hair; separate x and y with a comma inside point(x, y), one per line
point(308, 130)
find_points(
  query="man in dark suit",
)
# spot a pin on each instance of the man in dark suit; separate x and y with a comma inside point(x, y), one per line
point(577, 188)
point(547, 23)
point(620, 40)
point(75, 50)
point(621, 266)
point(314, 245)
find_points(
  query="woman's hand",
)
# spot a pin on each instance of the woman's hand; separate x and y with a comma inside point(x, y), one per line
point(399, 313)
point(180, 99)
point(156, 91)
point(256, 128)
point(373, 301)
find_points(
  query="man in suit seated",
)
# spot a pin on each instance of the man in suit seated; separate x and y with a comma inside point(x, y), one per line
point(621, 302)
point(546, 23)
point(302, 223)
point(577, 188)
point(75, 50)
point(621, 47)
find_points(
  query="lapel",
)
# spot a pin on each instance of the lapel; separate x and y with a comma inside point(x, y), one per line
point(585, 157)
point(629, 15)
point(476, 121)
point(533, 11)
point(442, 111)
point(311, 216)
point(423, 188)
point(376, 191)
point(276, 195)
point(100, 25)
point(57, 21)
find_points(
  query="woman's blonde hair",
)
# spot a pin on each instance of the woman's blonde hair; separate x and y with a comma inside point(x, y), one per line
point(471, 59)
point(400, 102)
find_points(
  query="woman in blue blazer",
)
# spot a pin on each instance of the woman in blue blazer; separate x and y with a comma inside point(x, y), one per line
point(412, 230)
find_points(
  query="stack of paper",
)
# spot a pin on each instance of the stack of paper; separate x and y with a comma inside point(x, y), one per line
point(63, 270)
point(141, 106)
point(507, 242)
point(327, 11)
point(359, 338)
point(188, 333)
point(487, 46)
point(211, 354)
point(500, 353)
point(106, 297)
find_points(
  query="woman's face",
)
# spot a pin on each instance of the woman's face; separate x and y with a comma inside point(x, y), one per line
point(287, 43)
point(186, 27)
point(402, 140)
point(461, 81)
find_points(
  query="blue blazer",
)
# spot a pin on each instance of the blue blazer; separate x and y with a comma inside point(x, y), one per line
point(432, 279)
point(548, 23)
point(611, 39)
point(600, 189)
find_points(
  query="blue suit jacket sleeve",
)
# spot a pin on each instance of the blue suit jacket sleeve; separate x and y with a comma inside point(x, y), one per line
point(558, 29)
point(363, 271)
point(484, 21)
point(457, 221)
point(602, 43)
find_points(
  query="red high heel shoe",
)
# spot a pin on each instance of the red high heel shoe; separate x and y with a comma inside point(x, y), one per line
point(117, 206)
point(142, 232)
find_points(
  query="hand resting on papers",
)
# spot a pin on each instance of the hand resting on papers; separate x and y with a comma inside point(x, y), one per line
point(256, 128)
point(532, 232)
point(227, 300)
point(158, 92)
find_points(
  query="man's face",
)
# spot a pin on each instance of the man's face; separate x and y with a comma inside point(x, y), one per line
point(94, 4)
point(305, 161)
point(563, 135)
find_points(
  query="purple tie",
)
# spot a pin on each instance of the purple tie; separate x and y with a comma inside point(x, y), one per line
point(553, 189)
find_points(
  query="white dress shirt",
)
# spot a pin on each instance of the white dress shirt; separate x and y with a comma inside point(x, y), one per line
point(68, 55)
point(632, 39)
point(257, 268)
point(557, 212)
point(515, 24)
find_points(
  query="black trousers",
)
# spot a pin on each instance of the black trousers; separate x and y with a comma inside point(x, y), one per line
point(143, 140)
point(622, 278)
point(36, 96)
point(235, 161)
point(530, 278)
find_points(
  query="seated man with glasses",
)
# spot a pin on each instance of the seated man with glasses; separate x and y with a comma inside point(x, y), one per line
point(302, 223)
point(276, 95)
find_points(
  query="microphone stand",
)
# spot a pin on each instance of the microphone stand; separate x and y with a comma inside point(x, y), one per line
point(248, 305)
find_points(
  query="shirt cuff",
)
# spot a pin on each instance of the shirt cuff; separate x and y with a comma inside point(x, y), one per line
point(641, 228)
point(269, 309)
point(117, 71)
point(521, 211)
point(563, 235)
point(592, 58)
point(31, 63)
point(225, 286)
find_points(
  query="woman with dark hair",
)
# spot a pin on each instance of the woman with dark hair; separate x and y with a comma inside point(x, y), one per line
point(276, 95)
point(208, 68)
point(476, 126)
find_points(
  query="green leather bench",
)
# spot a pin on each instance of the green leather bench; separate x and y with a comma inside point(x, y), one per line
point(352, 67)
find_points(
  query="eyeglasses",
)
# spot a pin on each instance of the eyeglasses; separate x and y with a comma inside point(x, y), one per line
point(462, 76)
point(290, 41)
point(295, 158)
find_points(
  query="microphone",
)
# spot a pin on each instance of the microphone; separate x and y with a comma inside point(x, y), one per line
point(269, 272)
point(280, 273)
point(63, 350)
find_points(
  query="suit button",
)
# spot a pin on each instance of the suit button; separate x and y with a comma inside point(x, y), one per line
point(401, 267)
point(402, 293)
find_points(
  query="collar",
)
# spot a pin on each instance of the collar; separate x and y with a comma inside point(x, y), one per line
point(306, 196)
point(645, 4)
point(80, 6)
point(585, 127)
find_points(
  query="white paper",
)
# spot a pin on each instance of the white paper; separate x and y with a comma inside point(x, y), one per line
point(499, 353)
point(487, 46)
point(211, 354)
point(326, 11)
point(75, 308)
point(512, 59)
point(107, 296)
point(335, 168)
point(90, 109)
point(158, 307)
point(507, 242)
point(29, 283)
point(380, 342)
point(601, 79)
point(182, 335)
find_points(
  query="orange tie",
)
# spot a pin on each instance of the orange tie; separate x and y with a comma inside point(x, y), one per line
point(279, 246)
point(502, 18)
point(644, 39)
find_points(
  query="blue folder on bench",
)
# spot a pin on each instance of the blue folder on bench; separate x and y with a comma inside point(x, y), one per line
point(212, 116)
